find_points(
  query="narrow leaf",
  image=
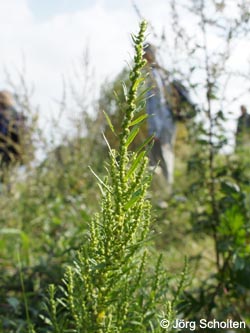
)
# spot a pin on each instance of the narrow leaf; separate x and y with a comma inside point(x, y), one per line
point(145, 143)
point(135, 197)
point(99, 179)
point(135, 164)
point(138, 82)
point(139, 119)
point(125, 90)
point(109, 148)
point(132, 135)
point(109, 122)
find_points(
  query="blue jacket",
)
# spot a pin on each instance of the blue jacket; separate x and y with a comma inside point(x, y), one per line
point(161, 122)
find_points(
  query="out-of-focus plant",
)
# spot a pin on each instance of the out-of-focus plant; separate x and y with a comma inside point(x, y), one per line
point(217, 199)
point(37, 201)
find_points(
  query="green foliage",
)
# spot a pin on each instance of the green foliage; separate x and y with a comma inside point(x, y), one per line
point(222, 215)
point(215, 191)
point(218, 192)
point(113, 101)
point(43, 219)
point(111, 287)
point(115, 284)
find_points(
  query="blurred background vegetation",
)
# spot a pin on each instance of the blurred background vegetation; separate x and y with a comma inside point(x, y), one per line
point(46, 206)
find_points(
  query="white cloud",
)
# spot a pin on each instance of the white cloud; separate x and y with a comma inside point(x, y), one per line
point(51, 46)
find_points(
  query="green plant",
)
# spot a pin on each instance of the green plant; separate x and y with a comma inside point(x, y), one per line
point(111, 287)
point(218, 190)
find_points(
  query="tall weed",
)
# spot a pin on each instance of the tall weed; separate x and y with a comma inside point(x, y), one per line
point(111, 286)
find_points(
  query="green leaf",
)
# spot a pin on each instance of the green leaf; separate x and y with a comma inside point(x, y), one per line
point(229, 188)
point(99, 179)
point(145, 143)
point(142, 96)
point(134, 38)
point(125, 90)
point(109, 148)
point(132, 135)
point(134, 198)
point(109, 122)
point(139, 120)
point(136, 323)
point(135, 164)
point(138, 82)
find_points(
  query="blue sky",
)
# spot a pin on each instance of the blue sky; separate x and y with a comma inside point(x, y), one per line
point(44, 9)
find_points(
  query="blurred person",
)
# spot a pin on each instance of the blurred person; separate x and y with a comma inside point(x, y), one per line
point(243, 128)
point(12, 123)
point(166, 103)
point(161, 123)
